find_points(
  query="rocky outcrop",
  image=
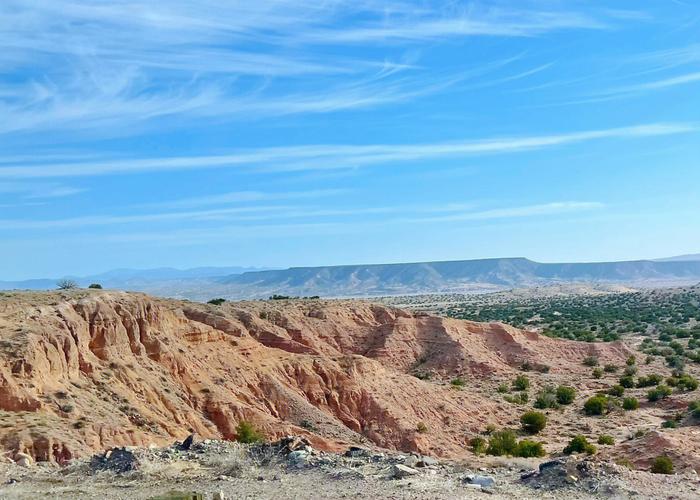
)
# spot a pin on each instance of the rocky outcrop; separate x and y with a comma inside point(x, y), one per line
point(84, 371)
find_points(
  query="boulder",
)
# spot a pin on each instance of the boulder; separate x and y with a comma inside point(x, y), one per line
point(357, 452)
point(400, 471)
point(298, 457)
point(483, 481)
point(117, 460)
point(187, 443)
point(293, 443)
point(427, 461)
point(24, 460)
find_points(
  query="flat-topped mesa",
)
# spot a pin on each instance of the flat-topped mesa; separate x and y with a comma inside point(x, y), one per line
point(82, 371)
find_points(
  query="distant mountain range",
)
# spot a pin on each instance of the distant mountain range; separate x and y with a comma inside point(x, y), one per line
point(681, 258)
point(132, 279)
point(465, 276)
point(455, 276)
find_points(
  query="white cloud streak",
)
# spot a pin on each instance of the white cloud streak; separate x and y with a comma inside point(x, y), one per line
point(324, 157)
point(32, 190)
point(247, 197)
point(661, 84)
point(453, 212)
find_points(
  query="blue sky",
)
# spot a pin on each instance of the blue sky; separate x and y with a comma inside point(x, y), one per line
point(277, 133)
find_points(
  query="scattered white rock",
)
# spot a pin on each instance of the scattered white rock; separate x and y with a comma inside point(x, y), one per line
point(400, 471)
point(482, 481)
point(298, 457)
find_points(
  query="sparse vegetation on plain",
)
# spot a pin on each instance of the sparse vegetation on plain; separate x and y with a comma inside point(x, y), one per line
point(66, 284)
point(666, 315)
point(596, 405)
point(630, 404)
point(579, 444)
point(521, 383)
point(662, 465)
point(247, 433)
point(533, 422)
point(606, 440)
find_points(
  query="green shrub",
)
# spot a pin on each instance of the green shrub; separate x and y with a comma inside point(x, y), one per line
point(67, 408)
point(597, 373)
point(694, 409)
point(649, 380)
point(478, 445)
point(247, 433)
point(596, 405)
point(533, 422)
point(521, 383)
point(95, 286)
point(421, 427)
point(546, 398)
point(625, 462)
point(519, 398)
point(675, 362)
point(503, 388)
point(661, 392)
point(606, 440)
point(565, 394)
point(617, 390)
point(216, 302)
point(579, 444)
point(527, 448)
point(610, 368)
point(590, 361)
point(307, 424)
point(687, 383)
point(457, 382)
point(627, 382)
point(662, 465)
point(630, 404)
point(630, 371)
point(502, 443)
point(669, 424)
point(632, 360)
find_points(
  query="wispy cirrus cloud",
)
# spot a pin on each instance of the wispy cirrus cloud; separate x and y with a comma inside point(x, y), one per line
point(89, 66)
point(636, 75)
point(34, 191)
point(466, 22)
point(660, 84)
point(248, 219)
point(248, 197)
point(517, 212)
point(325, 157)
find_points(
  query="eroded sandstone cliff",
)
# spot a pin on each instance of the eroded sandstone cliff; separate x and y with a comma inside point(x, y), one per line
point(82, 371)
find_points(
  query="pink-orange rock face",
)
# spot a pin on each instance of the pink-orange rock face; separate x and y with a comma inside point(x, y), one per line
point(83, 371)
